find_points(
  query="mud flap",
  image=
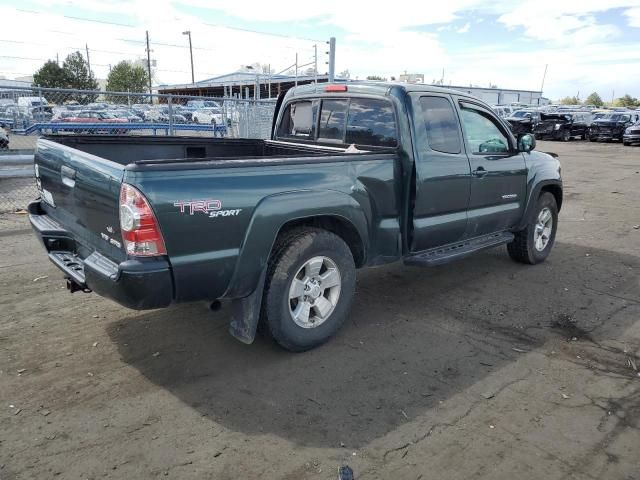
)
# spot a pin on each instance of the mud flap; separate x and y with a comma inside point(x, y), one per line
point(245, 313)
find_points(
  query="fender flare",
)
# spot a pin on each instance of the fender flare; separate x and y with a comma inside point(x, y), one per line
point(533, 196)
point(275, 211)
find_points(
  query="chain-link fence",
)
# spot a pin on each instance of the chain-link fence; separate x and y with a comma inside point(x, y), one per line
point(27, 113)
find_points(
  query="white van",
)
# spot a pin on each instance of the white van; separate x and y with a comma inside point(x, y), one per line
point(31, 102)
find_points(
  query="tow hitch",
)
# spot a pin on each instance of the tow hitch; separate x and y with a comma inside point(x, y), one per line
point(72, 286)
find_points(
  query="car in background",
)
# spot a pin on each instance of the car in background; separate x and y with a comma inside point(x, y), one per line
point(523, 121)
point(563, 126)
point(503, 110)
point(199, 104)
point(612, 126)
point(4, 139)
point(140, 108)
point(208, 116)
point(162, 115)
point(632, 135)
point(97, 116)
point(186, 112)
point(128, 114)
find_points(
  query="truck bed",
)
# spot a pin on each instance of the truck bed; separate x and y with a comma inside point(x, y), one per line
point(127, 150)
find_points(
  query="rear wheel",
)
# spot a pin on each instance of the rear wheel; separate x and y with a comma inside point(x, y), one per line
point(309, 290)
point(533, 244)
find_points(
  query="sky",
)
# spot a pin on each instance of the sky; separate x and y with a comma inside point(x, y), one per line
point(588, 45)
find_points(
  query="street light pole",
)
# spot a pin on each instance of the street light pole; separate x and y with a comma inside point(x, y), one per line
point(188, 32)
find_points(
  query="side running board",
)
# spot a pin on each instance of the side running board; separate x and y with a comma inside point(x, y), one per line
point(454, 251)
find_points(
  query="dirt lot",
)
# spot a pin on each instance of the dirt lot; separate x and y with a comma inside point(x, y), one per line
point(483, 369)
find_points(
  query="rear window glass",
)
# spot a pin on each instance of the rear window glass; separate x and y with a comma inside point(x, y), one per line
point(443, 132)
point(333, 116)
point(371, 122)
point(297, 120)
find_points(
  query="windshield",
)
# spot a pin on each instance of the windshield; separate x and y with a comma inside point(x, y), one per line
point(615, 117)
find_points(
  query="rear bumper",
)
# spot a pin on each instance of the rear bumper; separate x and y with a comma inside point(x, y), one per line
point(140, 284)
point(631, 138)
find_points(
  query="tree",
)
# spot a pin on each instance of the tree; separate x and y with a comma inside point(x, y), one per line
point(79, 77)
point(569, 101)
point(594, 99)
point(375, 77)
point(127, 77)
point(50, 75)
point(626, 101)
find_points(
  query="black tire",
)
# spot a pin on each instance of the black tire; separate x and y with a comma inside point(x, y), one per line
point(585, 135)
point(626, 144)
point(593, 139)
point(566, 136)
point(523, 249)
point(291, 252)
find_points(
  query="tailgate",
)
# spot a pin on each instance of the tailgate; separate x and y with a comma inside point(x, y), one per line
point(81, 192)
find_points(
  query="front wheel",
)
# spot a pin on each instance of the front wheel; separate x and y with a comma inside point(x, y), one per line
point(533, 244)
point(566, 136)
point(309, 290)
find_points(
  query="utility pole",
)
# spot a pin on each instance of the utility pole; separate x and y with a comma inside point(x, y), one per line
point(188, 32)
point(296, 69)
point(315, 64)
point(149, 67)
point(332, 59)
point(269, 80)
point(57, 59)
point(86, 46)
point(544, 75)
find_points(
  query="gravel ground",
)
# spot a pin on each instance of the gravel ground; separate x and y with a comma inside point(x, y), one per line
point(484, 368)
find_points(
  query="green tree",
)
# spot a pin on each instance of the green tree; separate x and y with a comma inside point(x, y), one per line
point(127, 77)
point(79, 77)
point(626, 101)
point(569, 101)
point(375, 77)
point(50, 75)
point(594, 99)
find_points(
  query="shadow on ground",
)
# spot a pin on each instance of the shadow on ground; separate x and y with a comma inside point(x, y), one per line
point(416, 337)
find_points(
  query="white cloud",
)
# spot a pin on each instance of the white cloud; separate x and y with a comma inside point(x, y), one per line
point(465, 28)
point(634, 16)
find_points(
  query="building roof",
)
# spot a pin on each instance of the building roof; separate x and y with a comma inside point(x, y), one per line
point(244, 78)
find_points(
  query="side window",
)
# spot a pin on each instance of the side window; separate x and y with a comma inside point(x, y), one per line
point(482, 132)
point(371, 122)
point(333, 116)
point(443, 132)
point(298, 120)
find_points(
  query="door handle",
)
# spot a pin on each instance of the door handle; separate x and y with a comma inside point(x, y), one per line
point(479, 172)
point(68, 176)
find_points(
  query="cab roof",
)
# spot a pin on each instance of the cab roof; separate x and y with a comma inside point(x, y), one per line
point(372, 88)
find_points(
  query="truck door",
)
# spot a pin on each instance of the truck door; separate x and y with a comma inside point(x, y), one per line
point(442, 173)
point(498, 171)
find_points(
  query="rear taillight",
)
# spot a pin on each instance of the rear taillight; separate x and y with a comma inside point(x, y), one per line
point(140, 230)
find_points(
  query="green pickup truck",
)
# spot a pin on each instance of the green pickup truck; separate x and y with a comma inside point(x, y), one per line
point(354, 175)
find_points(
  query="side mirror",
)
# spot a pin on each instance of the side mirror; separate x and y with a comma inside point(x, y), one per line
point(526, 143)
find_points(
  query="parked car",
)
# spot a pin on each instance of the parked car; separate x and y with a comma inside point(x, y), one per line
point(128, 114)
point(523, 121)
point(563, 126)
point(97, 116)
point(140, 108)
point(198, 104)
point(632, 134)
point(162, 115)
point(279, 226)
point(503, 110)
point(208, 116)
point(30, 102)
point(4, 139)
point(186, 112)
point(611, 126)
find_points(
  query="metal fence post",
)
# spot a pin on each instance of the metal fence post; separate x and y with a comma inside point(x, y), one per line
point(170, 102)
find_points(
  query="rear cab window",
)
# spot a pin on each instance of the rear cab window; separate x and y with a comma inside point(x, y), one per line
point(361, 121)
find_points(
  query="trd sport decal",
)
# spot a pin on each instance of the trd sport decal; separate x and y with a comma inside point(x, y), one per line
point(212, 208)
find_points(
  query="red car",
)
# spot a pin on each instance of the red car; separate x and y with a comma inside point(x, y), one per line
point(96, 117)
